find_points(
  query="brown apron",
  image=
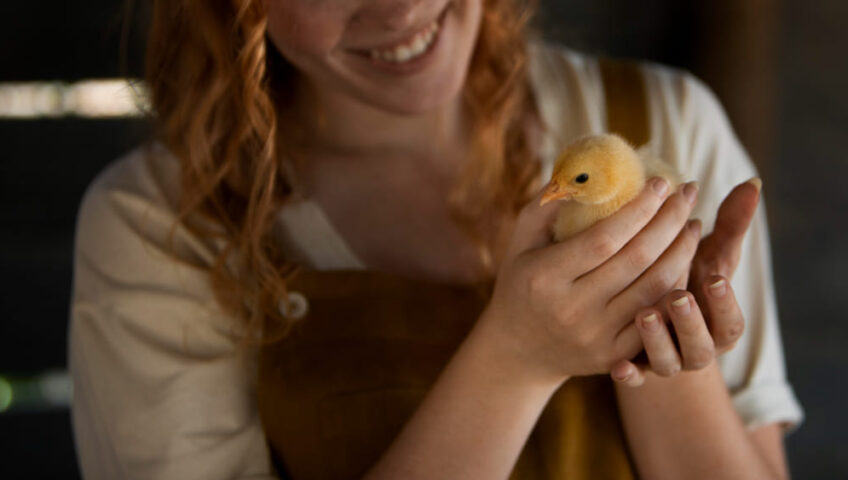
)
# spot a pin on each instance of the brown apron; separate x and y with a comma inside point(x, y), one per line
point(335, 393)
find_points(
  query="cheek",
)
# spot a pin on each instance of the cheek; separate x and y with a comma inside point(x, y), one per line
point(300, 27)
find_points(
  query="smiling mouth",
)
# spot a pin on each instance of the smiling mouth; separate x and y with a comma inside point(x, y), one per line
point(412, 47)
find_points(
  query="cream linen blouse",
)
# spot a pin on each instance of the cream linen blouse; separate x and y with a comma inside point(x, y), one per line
point(161, 389)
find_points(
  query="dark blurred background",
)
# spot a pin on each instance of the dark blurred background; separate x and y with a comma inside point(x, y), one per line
point(779, 67)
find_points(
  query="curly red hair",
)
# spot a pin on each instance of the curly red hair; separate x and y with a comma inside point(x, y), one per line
point(216, 82)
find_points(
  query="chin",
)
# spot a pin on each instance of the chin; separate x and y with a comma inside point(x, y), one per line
point(416, 99)
point(426, 83)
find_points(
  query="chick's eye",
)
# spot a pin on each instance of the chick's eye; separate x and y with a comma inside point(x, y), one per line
point(582, 178)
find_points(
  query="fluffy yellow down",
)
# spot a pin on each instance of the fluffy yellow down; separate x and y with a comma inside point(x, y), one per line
point(594, 177)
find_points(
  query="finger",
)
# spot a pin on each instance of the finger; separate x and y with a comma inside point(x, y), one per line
point(628, 373)
point(662, 353)
point(696, 344)
point(736, 211)
point(644, 249)
point(720, 251)
point(533, 226)
point(726, 320)
point(683, 280)
point(661, 277)
point(598, 243)
point(628, 342)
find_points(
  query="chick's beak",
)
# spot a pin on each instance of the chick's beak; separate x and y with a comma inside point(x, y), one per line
point(554, 192)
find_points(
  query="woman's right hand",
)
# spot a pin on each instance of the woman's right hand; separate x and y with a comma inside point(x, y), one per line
point(563, 309)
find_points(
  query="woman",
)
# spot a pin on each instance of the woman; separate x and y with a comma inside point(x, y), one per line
point(437, 119)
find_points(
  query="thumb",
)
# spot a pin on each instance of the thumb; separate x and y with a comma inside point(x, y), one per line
point(719, 252)
point(736, 211)
point(533, 225)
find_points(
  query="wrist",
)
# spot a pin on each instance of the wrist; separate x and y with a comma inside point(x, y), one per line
point(507, 358)
point(473, 421)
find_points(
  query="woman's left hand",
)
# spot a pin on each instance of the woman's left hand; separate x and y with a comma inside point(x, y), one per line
point(709, 322)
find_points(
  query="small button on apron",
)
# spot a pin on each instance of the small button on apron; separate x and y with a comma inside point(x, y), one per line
point(294, 307)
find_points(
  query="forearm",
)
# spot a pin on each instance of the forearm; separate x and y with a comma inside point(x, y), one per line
point(474, 421)
point(686, 427)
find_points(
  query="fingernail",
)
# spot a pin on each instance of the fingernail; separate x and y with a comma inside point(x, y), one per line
point(690, 191)
point(681, 305)
point(757, 183)
point(650, 323)
point(694, 226)
point(719, 288)
point(621, 373)
point(660, 186)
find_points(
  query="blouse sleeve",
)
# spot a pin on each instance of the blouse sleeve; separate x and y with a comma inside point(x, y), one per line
point(162, 388)
point(693, 131)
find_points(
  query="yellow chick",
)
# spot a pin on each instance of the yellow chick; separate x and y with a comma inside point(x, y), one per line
point(598, 174)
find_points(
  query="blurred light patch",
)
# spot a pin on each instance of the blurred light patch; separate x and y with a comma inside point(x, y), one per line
point(45, 391)
point(101, 98)
point(7, 394)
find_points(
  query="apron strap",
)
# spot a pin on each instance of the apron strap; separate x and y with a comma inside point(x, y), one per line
point(626, 100)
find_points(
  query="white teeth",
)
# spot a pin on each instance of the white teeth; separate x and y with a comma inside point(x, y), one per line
point(419, 44)
point(413, 48)
point(403, 53)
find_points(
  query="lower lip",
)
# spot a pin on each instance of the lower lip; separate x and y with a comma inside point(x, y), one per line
point(416, 64)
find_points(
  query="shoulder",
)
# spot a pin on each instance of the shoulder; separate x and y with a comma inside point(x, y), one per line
point(681, 105)
point(669, 87)
point(129, 248)
point(128, 213)
point(148, 172)
point(146, 177)
point(679, 102)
